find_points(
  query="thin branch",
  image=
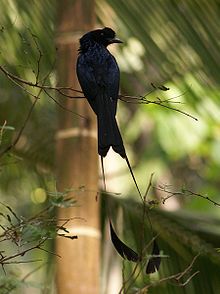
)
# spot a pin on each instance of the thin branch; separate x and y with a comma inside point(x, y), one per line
point(22, 253)
point(22, 261)
point(22, 87)
point(51, 252)
point(190, 193)
point(61, 106)
point(188, 268)
point(31, 272)
point(183, 192)
point(144, 100)
point(124, 98)
point(175, 277)
point(68, 237)
point(2, 128)
point(189, 279)
point(40, 56)
point(36, 85)
point(11, 210)
point(8, 148)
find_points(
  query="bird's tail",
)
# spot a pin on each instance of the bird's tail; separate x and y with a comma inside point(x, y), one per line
point(109, 134)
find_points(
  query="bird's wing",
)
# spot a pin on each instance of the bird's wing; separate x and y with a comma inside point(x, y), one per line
point(99, 79)
point(113, 78)
point(87, 80)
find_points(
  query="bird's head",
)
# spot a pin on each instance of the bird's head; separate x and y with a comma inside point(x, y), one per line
point(103, 37)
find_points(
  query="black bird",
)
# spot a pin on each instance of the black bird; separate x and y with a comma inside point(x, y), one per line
point(98, 75)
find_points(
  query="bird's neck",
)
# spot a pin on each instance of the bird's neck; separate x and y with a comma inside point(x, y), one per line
point(88, 45)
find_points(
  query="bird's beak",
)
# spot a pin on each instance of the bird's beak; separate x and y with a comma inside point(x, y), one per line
point(115, 40)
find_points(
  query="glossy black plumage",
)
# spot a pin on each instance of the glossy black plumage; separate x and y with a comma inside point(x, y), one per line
point(154, 262)
point(99, 76)
point(125, 251)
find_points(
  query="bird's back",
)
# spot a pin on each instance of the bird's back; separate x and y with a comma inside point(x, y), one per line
point(98, 74)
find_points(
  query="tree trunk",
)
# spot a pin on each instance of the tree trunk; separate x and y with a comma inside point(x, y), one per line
point(77, 160)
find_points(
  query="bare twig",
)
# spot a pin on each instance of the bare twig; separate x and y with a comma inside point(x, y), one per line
point(183, 192)
point(2, 130)
point(8, 148)
point(160, 102)
point(50, 252)
point(40, 55)
point(191, 193)
point(22, 261)
point(61, 106)
point(125, 98)
point(175, 277)
point(22, 253)
point(37, 85)
point(31, 272)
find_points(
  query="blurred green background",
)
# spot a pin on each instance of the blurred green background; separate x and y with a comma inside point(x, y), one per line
point(166, 42)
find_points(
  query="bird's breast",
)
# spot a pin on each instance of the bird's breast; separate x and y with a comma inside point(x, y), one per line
point(97, 55)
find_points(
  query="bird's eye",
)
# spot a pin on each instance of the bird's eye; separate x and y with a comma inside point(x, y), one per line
point(102, 34)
